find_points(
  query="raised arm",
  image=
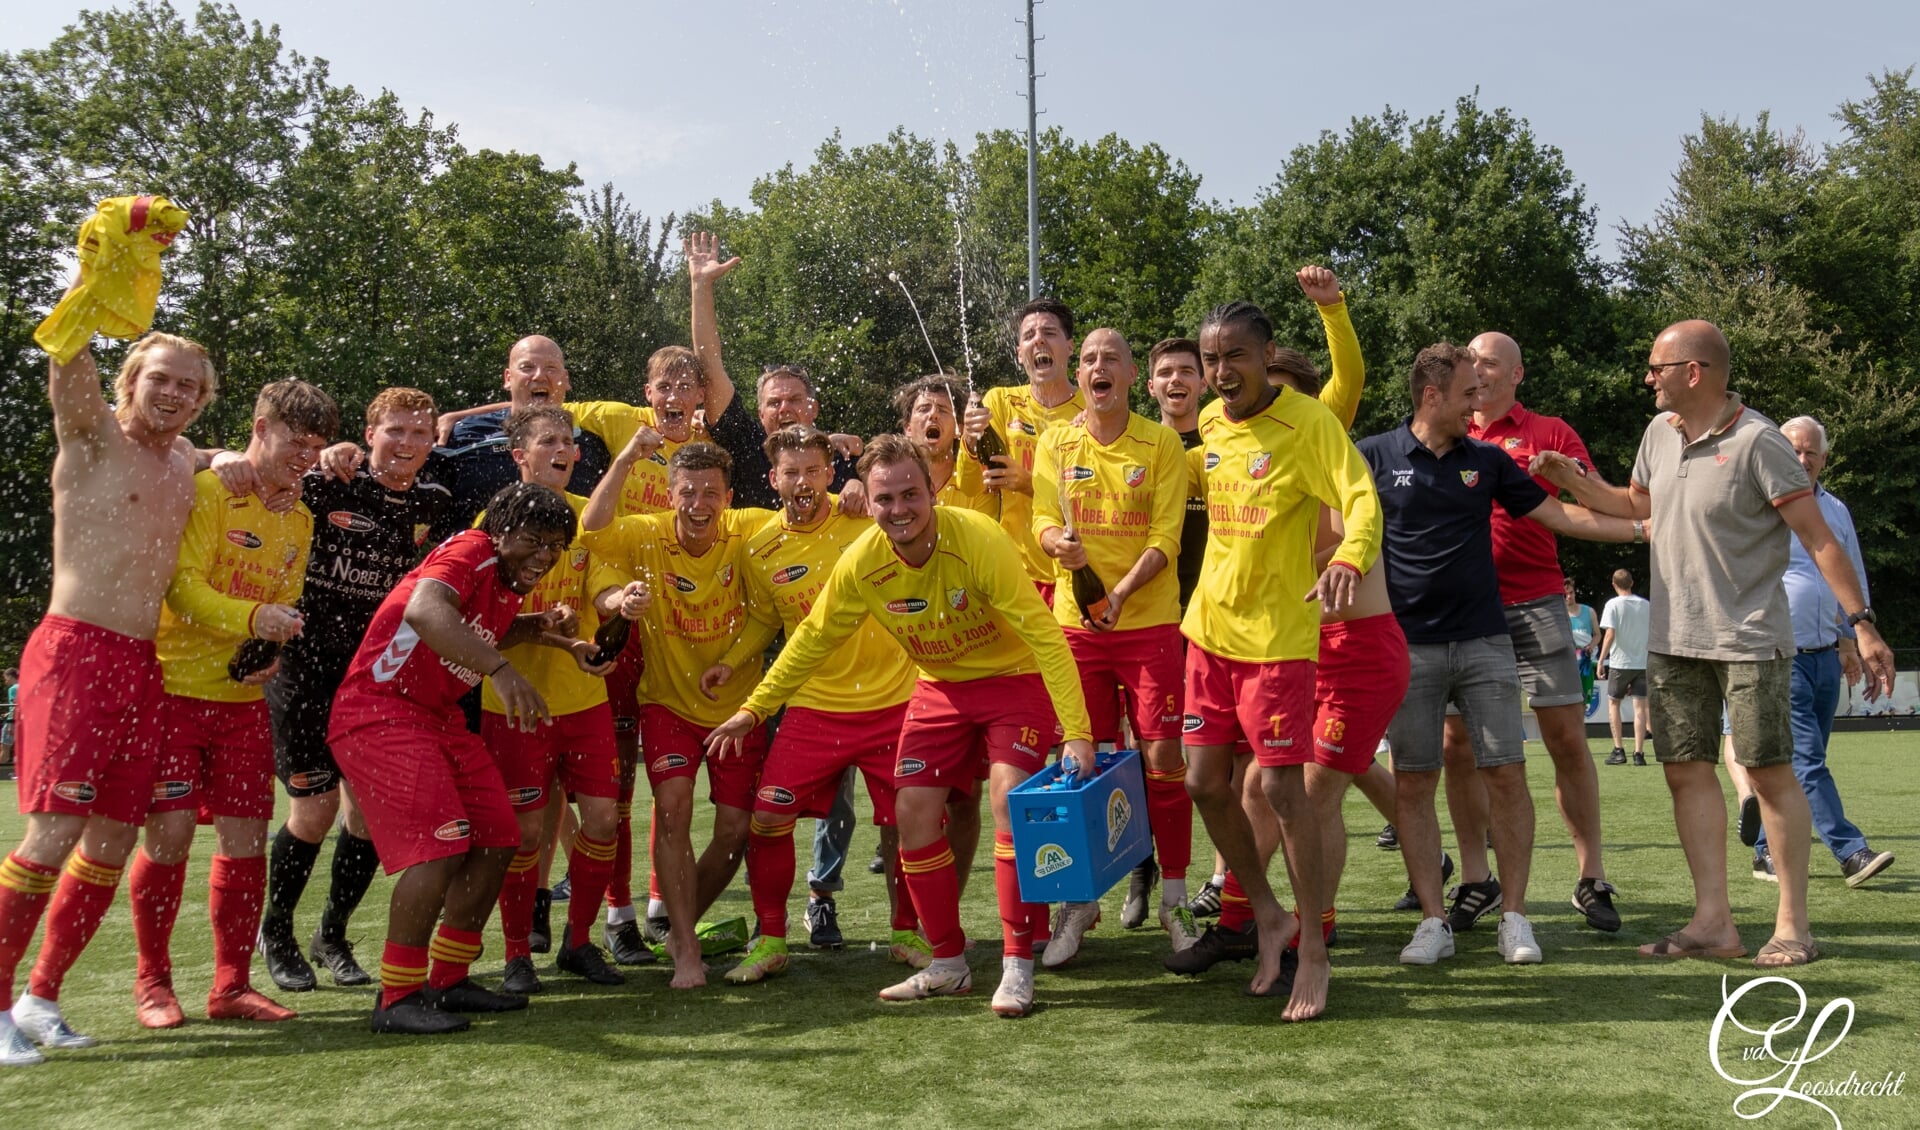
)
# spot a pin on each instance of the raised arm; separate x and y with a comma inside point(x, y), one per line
point(704, 268)
point(1341, 394)
point(79, 411)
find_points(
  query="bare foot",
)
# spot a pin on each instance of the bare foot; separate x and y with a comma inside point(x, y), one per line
point(1275, 934)
point(689, 970)
point(1309, 986)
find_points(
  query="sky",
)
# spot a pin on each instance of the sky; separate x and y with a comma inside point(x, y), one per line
point(681, 103)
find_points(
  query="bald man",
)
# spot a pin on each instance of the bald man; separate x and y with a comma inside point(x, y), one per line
point(1726, 494)
point(1532, 591)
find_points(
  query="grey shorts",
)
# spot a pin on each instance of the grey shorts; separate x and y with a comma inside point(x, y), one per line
point(1543, 652)
point(1685, 704)
point(1625, 682)
point(1477, 676)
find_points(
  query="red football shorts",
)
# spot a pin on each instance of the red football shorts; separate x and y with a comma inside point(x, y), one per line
point(577, 748)
point(1148, 663)
point(87, 732)
point(674, 747)
point(215, 758)
point(954, 731)
point(428, 787)
point(1361, 679)
point(812, 751)
point(1267, 705)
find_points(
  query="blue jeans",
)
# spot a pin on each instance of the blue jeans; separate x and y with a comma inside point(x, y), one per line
point(1816, 693)
point(831, 839)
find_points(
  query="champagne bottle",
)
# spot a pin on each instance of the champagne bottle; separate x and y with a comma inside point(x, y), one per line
point(1089, 591)
point(611, 639)
point(989, 445)
point(251, 658)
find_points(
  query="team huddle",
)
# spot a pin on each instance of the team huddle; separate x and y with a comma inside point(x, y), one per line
point(458, 642)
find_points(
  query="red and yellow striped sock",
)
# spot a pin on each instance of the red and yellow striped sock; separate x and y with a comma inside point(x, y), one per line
point(770, 871)
point(517, 892)
point(1016, 917)
point(620, 883)
point(1235, 911)
point(25, 887)
point(591, 864)
point(1170, 814)
point(453, 951)
point(935, 887)
point(403, 970)
point(79, 903)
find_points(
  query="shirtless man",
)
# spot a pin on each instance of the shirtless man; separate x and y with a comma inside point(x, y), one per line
point(90, 682)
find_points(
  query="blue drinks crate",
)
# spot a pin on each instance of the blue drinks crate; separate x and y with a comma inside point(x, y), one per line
point(1074, 839)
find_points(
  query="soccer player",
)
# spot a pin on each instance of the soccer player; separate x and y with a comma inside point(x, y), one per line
point(1533, 598)
point(433, 797)
point(929, 410)
point(575, 750)
point(1272, 457)
point(847, 714)
point(691, 561)
point(240, 570)
point(996, 682)
point(87, 736)
point(1109, 495)
point(1623, 664)
point(367, 533)
point(1437, 487)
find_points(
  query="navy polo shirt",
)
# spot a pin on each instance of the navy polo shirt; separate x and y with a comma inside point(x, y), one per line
point(1438, 548)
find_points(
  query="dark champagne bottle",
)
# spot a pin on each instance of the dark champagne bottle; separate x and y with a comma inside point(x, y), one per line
point(1089, 591)
point(989, 445)
point(611, 639)
point(251, 658)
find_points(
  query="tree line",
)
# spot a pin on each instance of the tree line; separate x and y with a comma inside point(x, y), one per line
point(345, 238)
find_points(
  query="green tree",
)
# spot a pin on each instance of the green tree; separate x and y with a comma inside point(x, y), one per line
point(609, 297)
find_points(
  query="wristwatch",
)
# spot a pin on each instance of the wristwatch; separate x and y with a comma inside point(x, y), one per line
point(1865, 615)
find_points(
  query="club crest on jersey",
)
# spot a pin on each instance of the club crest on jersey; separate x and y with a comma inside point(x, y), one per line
point(680, 582)
point(908, 767)
point(453, 830)
point(1259, 464)
point(1213, 460)
point(1510, 443)
point(1136, 475)
point(79, 792)
point(1050, 858)
point(524, 796)
point(1022, 425)
point(243, 539)
point(419, 533)
point(577, 559)
point(957, 599)
point(726, 576)
point(908, 607)
point(286, 559)
point(1076, 474)
point(1191, 722)
point(788, 575)
point(774, 794)
point(670, 761)
point(310, 780)
point(352, 523)
point(173, 790)
point(1470, 478)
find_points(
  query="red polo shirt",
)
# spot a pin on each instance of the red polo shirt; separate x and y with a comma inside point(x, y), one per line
point(1524, 551)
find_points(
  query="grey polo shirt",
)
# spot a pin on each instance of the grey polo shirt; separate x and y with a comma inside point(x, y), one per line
point(1719, 545)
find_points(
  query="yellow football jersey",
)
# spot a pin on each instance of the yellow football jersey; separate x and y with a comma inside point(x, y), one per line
point(645, 491)
point(572, 582)
point(1020, 419)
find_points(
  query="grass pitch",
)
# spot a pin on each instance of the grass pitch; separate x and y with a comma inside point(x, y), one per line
point(1594, 1037)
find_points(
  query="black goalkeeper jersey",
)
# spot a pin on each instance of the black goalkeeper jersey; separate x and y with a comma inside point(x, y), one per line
point(365, 538)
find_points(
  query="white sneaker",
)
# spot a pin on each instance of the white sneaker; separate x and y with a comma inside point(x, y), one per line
point(1178, 922)
point(936, 980)
point(1431, 942)
point(1071, 925)
point(1516, 940)
point(15, 1049)
point(40, 1019)
point(1014, 997)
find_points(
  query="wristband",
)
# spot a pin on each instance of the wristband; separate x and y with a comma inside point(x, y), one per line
point(1346, 565)
point(497, 670)
point(1639, 532)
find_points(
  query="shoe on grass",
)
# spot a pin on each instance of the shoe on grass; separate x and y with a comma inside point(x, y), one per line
point(654, 931)
point(246, 1003)
point(767, 958)
point(337, 959)
point(563, 890)
point(1471, 903)
point(878, 864)
point(1014, 997)
point(823, 924)
point(1617, 757)
point(155, 1006)
point(16, 1050)
point(469, 995)
point(1865, 864)
point(1218, 944)
point(286, 965)
point(1074, 920)
point(585, 960)
point(1763, 866)
point(1515, 940)
point(1432, 940)
point(1750, 819)
point(1594, 898)
point(1639, 758)
point(520, 979)
point(909, 948)
point(1178, 922)
point(935, 980)
point(1411, 901)
point(1206, 904)
point(1388, 839)
point(40, 1020)
point(411, 1015)
point(1133, 912)
point(624, 941)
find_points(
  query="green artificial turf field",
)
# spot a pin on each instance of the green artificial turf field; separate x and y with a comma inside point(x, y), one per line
point(1593, 1037)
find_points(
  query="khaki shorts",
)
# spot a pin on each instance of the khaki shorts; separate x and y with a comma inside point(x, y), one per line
point(1684, 709)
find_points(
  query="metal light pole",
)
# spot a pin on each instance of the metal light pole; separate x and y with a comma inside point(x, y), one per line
point(1033, 163)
